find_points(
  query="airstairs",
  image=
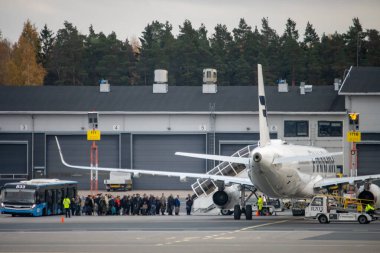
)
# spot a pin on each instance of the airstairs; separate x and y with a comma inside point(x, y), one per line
point(205, 188)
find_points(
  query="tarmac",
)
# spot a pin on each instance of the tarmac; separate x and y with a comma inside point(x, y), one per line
point(194, 233)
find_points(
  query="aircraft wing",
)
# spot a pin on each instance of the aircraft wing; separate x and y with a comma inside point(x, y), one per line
point(182, 175)
point(231, 159)
point(304, 158)
point(344, 180)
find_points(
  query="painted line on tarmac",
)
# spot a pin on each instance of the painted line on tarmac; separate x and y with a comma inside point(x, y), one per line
point(262, 225)
point(219, 236)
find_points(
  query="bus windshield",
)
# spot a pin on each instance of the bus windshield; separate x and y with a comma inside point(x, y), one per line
point(24, 196)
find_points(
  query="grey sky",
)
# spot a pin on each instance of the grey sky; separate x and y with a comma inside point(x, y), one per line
point(129, 18)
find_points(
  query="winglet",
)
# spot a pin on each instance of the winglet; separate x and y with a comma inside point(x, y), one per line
point(60, 153)
point(264, 129)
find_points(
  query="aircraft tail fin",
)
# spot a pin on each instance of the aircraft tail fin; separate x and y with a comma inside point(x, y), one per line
point(264, 129)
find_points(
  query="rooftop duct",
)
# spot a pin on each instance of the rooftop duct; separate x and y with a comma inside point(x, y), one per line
point(282, 86)
point(104, 86)
point(209, 81)
point(160, 84)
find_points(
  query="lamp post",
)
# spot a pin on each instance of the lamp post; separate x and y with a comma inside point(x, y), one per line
point(357, 48)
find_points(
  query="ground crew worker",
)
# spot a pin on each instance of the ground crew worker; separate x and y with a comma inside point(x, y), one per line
point(369, 209)
point(66, 206)
point(260, 203)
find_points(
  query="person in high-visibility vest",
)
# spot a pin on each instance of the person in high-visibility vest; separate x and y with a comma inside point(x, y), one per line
point(66, 206)
point(369, 209)
point(260, 203)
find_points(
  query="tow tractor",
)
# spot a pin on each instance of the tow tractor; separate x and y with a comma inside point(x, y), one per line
point(332, 208)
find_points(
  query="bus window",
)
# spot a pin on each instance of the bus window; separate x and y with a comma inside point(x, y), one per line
point(26, 196)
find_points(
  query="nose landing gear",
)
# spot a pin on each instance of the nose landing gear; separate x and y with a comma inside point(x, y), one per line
point(243, 208)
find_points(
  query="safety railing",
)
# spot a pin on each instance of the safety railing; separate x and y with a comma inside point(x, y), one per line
point(207, 186)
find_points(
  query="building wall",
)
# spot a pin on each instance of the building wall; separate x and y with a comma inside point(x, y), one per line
point(368, 108)
point(231, 131)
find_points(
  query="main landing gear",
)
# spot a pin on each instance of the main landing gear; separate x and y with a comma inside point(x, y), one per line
point(243, 208)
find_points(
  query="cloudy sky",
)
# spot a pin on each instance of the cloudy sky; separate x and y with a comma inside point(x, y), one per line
point(128, 18)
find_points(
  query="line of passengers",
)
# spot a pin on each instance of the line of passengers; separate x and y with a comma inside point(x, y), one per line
point(128, 205)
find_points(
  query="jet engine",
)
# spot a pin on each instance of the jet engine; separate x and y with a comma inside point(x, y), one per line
point(370, 192)
point(227, 198)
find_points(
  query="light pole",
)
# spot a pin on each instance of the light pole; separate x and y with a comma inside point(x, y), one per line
point(357, 48)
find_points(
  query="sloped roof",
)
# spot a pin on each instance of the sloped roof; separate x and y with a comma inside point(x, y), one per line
point(362, 80)
point(178, 99)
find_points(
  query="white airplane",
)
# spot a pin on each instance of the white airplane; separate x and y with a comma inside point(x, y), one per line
point(274, 167)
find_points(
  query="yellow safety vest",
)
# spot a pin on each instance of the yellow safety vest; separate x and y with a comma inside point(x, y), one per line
point(260, 203)
point(66, 203)
point(369, 208)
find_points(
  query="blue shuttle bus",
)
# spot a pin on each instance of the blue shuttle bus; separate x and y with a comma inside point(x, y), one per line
point(36, 197)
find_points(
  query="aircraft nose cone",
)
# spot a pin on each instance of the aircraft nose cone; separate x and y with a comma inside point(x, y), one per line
point(257, 157)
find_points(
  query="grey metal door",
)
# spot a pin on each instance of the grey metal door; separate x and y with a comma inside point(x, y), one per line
point(76, 150)
point(156, 152)
point(368, 159)
point(13, 158)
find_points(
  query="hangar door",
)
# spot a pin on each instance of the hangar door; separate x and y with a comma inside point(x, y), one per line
point(76, 150)
point(229, 149)
point(368, 159)
point(156, 152)
point(13, 158)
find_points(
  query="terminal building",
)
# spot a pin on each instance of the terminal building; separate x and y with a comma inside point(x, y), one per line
point(143, 126)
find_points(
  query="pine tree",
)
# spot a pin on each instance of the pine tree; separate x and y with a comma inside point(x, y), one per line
point(221, 45)
point(67, 57)
point(291, 53)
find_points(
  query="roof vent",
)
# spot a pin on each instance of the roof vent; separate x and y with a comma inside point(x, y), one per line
point(308, 88)
point(302, 88)
point(160, 81)
point(209, 81)
point(282, 86)
point(337, 83)
point(105, 86)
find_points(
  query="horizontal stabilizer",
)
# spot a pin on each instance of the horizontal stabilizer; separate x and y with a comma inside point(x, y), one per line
point(304, 158)
point(345, 180)
point(231, 159)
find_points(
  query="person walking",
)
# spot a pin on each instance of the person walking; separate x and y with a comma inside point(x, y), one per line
point(163, 204)
point(369, 209)
point(170, 205)
point(66, 205)
point(189, 204)
point(260, 203)
point(177, 204)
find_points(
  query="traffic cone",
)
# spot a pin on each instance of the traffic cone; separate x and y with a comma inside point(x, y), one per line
point(62, 219)
point(257, 213)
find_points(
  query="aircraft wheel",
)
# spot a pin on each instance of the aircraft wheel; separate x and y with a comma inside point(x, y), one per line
point(225, 212)
point(237, 212)
point(248, 212)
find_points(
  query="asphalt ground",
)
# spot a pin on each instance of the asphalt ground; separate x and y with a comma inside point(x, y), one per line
point(195, 233)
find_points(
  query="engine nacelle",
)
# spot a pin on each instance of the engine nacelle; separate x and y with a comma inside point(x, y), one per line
point(370, 192)
point(227, 198)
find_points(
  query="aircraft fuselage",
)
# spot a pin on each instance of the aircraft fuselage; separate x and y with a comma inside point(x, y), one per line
point(288, 180)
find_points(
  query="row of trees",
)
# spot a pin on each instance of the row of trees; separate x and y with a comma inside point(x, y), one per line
point(71, 58)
